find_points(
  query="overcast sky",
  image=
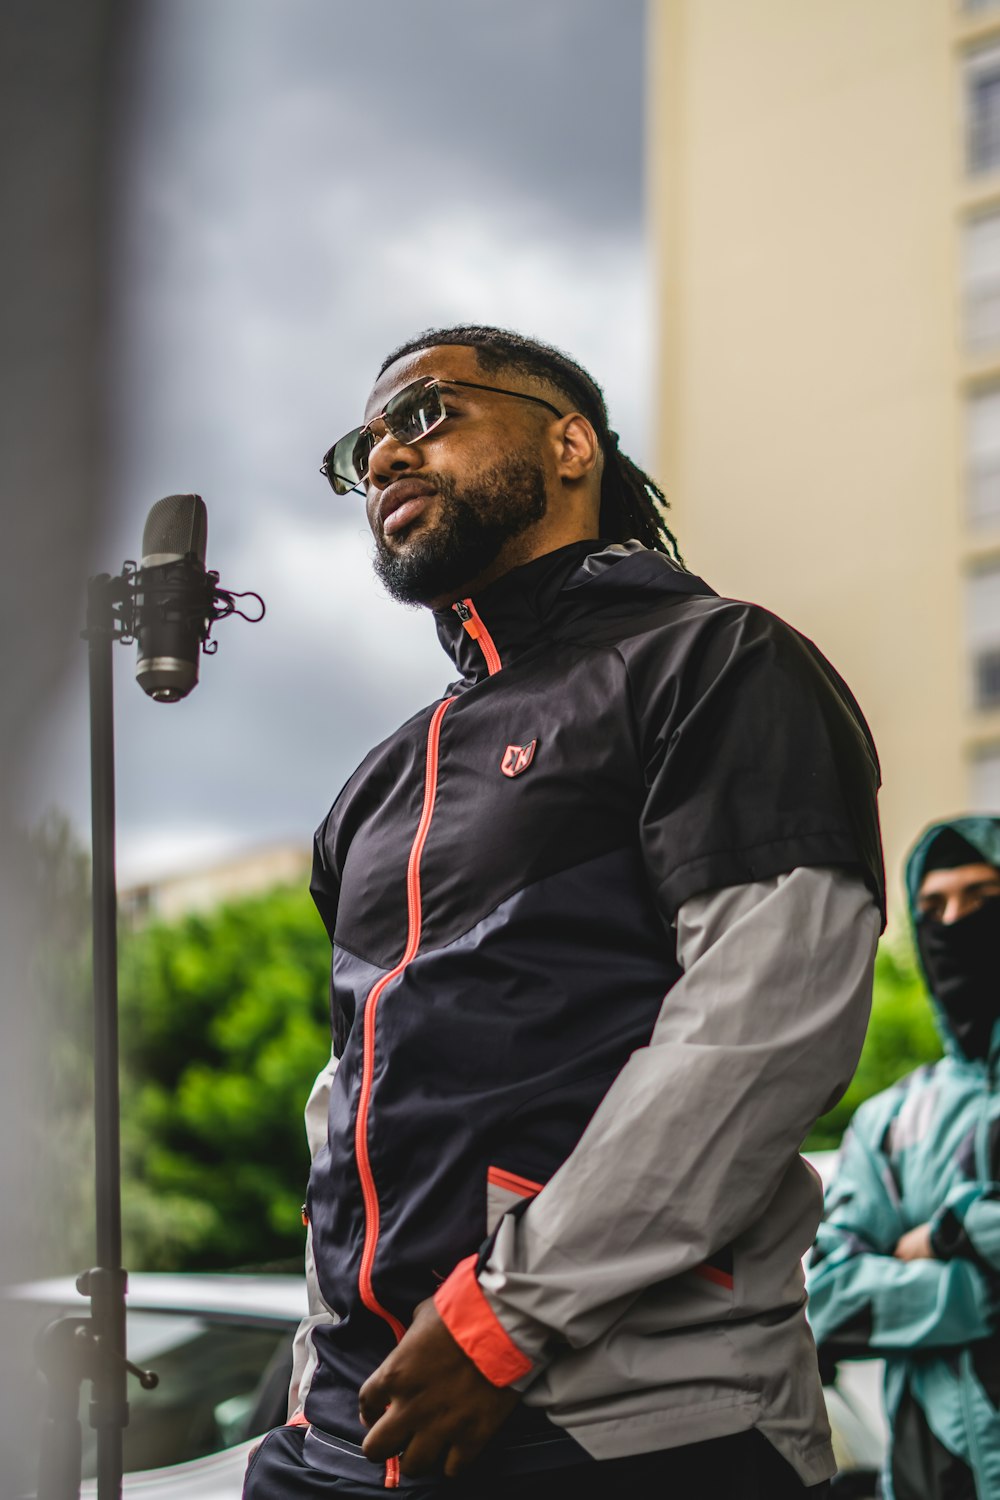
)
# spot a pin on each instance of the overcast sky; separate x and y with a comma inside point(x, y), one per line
point(304, 184)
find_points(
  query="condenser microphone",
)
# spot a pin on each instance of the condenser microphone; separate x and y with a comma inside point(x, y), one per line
point(174, 597)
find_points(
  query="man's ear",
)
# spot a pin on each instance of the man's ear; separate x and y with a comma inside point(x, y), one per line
point(578, 451)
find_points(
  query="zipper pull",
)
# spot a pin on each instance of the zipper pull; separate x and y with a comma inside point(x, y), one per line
point(467, 618)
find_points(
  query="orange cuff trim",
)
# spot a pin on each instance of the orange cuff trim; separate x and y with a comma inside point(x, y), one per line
point(299, 1420)
point(475, 1327)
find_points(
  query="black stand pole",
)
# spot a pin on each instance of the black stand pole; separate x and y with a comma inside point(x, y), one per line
point(106, 1284)
point(72, 1350)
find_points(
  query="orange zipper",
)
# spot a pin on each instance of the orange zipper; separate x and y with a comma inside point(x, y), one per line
point(368, 1188)
point(472, 620)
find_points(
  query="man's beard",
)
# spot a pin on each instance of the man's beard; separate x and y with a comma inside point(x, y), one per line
point(468, 533)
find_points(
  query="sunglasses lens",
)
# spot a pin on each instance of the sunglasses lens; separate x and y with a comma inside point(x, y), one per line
point(346, 463)
point(414, 411)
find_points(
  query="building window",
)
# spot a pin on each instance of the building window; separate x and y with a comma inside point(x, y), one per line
point(983, 458)
point(982, 96)
point(983, 634)
point(981, 282)
point(988, 679)
point(985, 781)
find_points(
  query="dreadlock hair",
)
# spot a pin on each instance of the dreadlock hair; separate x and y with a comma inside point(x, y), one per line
point(632, 504)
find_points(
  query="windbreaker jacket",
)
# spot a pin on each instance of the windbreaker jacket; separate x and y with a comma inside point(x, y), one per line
point(925, 1151)
point(602, 921)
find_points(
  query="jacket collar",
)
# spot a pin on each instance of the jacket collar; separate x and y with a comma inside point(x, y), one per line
point(537, 601)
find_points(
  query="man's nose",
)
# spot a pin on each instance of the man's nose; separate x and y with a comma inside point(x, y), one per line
point(390, 458)
point(955, 908)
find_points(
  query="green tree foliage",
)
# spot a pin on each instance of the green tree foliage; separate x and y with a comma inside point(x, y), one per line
point(224, 1025)
point(901, 1036)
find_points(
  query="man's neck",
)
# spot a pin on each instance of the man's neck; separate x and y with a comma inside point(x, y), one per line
point(510, 557)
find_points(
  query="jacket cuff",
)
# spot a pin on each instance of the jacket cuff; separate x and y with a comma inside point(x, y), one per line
point(476, 1329)
point(948, 1238)
point(953, 1236)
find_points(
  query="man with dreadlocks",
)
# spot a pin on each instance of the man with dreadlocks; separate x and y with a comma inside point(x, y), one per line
point(603, 921)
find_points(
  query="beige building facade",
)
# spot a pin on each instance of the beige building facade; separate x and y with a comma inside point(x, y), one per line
point(251, 872)
point(824, 190)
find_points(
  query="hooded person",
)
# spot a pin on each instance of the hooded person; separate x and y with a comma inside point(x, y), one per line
point(907, 1259)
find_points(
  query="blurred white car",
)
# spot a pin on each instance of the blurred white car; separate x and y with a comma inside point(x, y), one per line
point(222, 1347)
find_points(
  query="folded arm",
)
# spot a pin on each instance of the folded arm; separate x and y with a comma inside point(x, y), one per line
point(865, 1299)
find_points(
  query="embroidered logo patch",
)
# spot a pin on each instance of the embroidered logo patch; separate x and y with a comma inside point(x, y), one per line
point(517, 758)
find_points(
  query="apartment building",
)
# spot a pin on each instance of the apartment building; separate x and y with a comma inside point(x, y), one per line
point(824, 189)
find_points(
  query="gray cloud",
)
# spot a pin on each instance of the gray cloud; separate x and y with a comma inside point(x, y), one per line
point(307, 182)
point(447, 99)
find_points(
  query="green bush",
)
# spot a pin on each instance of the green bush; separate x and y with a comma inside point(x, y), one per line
point(224, 1025)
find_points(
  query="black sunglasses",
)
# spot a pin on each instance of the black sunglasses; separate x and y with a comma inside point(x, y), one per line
point(411, 414)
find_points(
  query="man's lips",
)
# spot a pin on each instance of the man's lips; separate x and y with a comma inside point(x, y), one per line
point(401, 503)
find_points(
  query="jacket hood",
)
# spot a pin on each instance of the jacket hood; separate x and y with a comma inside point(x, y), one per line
point(533, 602)
point(983, 835)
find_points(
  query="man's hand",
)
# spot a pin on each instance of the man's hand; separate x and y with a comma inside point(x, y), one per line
point(915, 1244)
point(428, 1402)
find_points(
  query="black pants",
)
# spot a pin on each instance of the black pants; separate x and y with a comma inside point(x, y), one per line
point(741, 1467)
point(922, 1469)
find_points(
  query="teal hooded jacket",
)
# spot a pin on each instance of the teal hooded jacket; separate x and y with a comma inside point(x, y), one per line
point(926, 1150)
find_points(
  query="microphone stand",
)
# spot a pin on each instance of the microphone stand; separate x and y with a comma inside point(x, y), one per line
point(71, 1350)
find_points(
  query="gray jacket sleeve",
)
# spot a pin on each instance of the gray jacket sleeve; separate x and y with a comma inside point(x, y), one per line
point(303, 1353)
point(758, 1038)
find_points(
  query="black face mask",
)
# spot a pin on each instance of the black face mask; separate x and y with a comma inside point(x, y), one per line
point(962, 960)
